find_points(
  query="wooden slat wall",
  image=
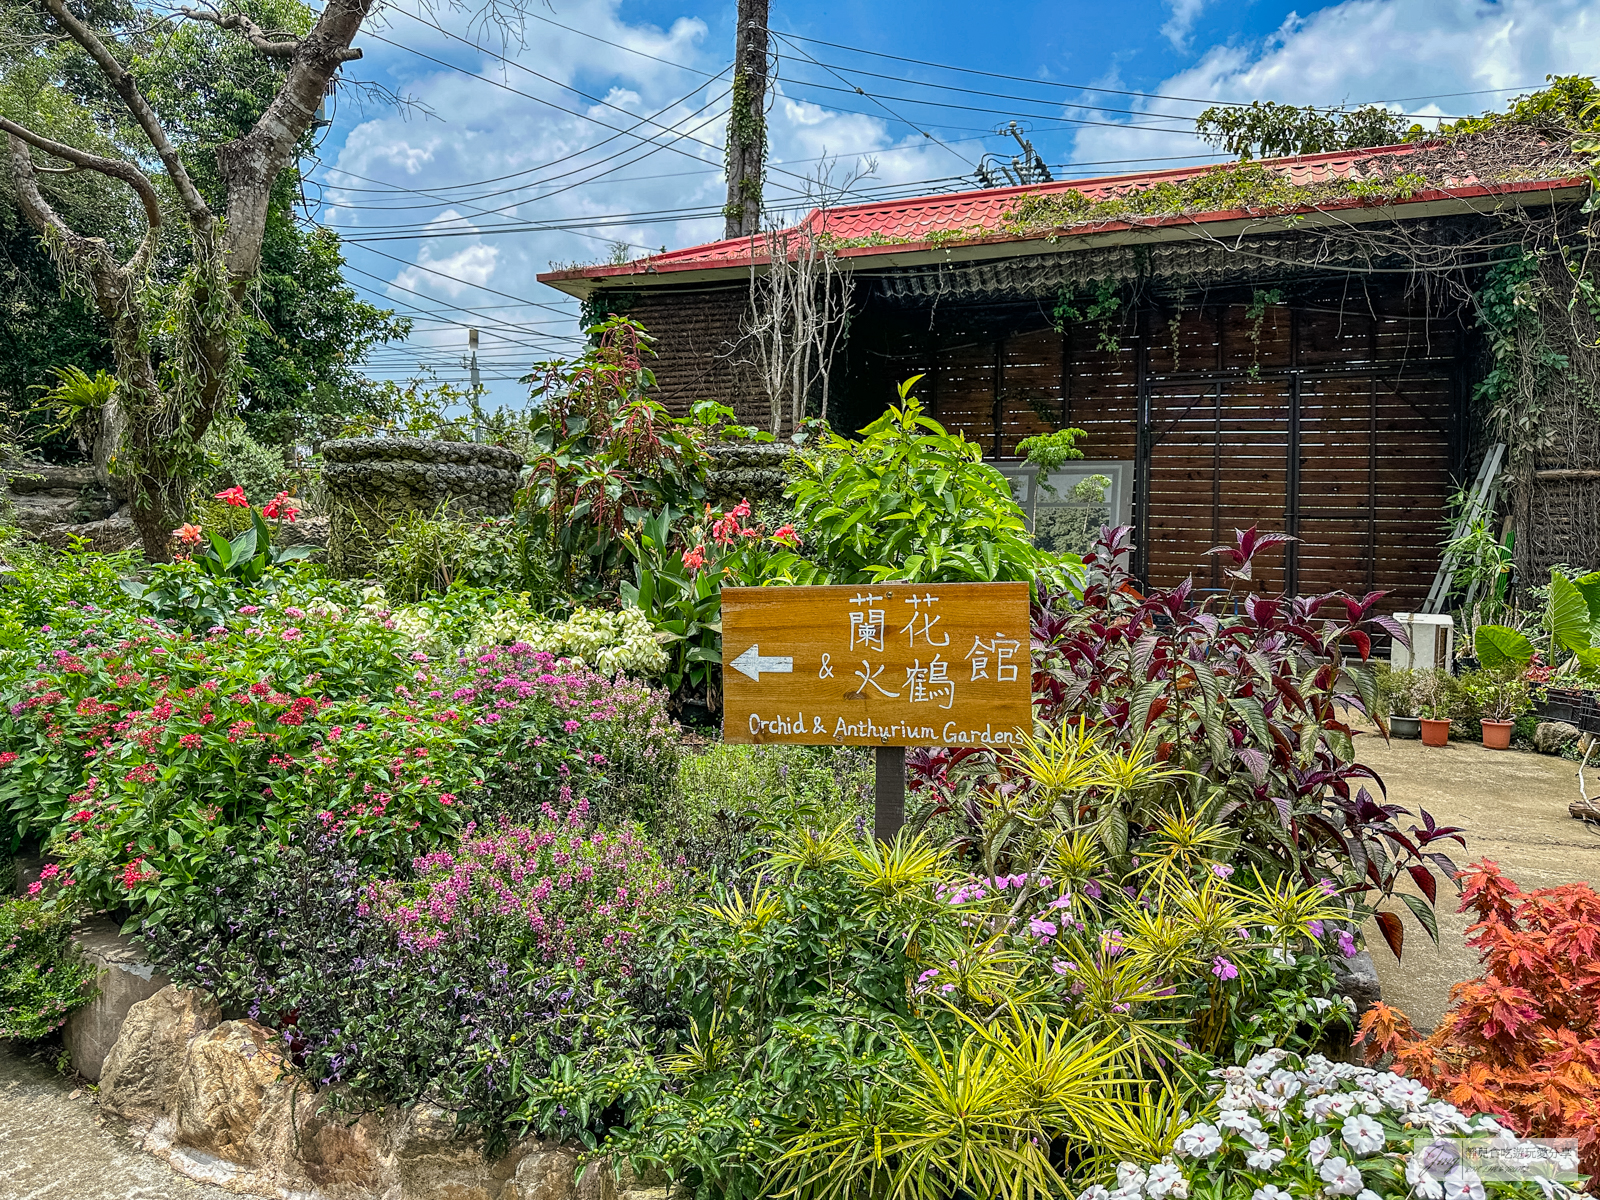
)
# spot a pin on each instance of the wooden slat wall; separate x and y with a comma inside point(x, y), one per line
point(1221, 464)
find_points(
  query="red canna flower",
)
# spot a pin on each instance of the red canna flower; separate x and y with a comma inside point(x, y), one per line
point(695, 559)
point(234, 496)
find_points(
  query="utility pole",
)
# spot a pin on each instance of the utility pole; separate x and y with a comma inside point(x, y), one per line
point(747, 122)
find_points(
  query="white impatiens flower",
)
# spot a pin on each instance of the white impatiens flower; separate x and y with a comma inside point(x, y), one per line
point(1166, 1179)
point(1423, 1182)
point(1238, 1119)
point(1463, 1183)
point(1368, 1194)
point(1363, 1135)
point(1131, 1192)
point(1259, 1139)
point(1270, 1192)
point(1317, 1149)
point(1264, 1160)
point(1097, 1192)
point(1344, 1178)
point(1198, 1141)
point(1129, 1176)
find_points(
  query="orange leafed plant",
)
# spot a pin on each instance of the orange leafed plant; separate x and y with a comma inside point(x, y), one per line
point(1522, 1041)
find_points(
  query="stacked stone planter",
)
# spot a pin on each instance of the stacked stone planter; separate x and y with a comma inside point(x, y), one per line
point(373, 482)
point(756, 471)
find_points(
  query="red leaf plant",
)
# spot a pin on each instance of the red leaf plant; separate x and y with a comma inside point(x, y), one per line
point(1521, 1041)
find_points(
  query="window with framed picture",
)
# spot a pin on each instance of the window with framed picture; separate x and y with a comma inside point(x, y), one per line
point(1067, 506)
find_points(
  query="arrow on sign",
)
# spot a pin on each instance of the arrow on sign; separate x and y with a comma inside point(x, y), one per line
point(752, 662)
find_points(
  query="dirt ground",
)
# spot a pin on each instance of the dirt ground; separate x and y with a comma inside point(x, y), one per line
point(1512, 807)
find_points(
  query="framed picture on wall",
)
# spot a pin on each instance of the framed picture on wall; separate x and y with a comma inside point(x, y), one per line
point(1067, 507)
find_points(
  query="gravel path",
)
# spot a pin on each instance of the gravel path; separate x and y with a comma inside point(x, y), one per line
point(56, 1145)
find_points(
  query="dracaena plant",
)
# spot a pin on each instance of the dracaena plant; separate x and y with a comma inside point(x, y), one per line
point(1249, 700)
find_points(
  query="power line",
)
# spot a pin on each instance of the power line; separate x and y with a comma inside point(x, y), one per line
point(852, 87)
point(1083, 87)
point(948, 87)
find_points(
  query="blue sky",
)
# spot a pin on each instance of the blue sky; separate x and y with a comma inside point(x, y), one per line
point(601, 121)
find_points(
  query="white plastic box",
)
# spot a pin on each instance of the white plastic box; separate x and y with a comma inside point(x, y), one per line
point(1433, 642)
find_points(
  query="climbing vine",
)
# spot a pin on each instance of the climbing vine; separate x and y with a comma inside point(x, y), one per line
point(1255, 315)
point(1101, 303)
point(747, 126)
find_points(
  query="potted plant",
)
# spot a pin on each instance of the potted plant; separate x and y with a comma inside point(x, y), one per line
point(1397, 701)
point(1502, 696)
point(1432, 692)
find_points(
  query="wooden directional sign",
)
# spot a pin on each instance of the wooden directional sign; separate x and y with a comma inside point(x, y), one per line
point(896, 664)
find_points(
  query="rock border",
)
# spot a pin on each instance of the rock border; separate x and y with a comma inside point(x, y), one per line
point(220, 1102)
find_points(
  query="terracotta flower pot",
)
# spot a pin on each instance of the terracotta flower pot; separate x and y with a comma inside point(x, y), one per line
point(1435, 732)
point(1496, 734)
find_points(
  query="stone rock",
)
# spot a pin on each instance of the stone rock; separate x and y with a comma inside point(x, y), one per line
point(124, 977)
point(139, 1077)
point(430, 1160)
point(105, 537)
point(339, 1154)
point(1550, 736)
point(25, 869)
point(549, 1175)
point(236, 1096)
point(1357, 979)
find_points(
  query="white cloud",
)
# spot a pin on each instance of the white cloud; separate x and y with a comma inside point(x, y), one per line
point(564, 168)
point(1375, 50)
point(1179, 25)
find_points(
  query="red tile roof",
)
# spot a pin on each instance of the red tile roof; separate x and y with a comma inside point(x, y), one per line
point(907, 225)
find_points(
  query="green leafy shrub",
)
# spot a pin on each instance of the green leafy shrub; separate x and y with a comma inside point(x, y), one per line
point(730, 798)
point(603, 457)
point(910, 501)
point(428, 554)
point(42, 977)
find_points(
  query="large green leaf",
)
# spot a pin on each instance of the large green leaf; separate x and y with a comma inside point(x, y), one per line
point(1569, 613)
point(1500, 645)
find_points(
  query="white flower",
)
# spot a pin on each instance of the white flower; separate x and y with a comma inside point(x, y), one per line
point(1344, 1178)
point(1368, 1194)
point(1270, 1192)
point(1262, 1063)
point(1423, 1181)
point(1097, 1192)
point(1363, 1135)
point(1488, 1124)
point(1129, 1176)
point(1132, 1192)
point(1238, 1119)
point(1166, 1179)
point(1462, 1183)
point(1198, 1141)
point(1318, 1149)
point(1283, 1084)
point(1264, 1160)
point(1257, 1138)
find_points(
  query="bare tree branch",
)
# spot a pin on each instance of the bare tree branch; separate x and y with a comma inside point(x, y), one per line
point(39, 210)
point(258, 37)
point(117, 75)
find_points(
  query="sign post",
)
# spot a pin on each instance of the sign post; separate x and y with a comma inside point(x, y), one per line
point(888, 666)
